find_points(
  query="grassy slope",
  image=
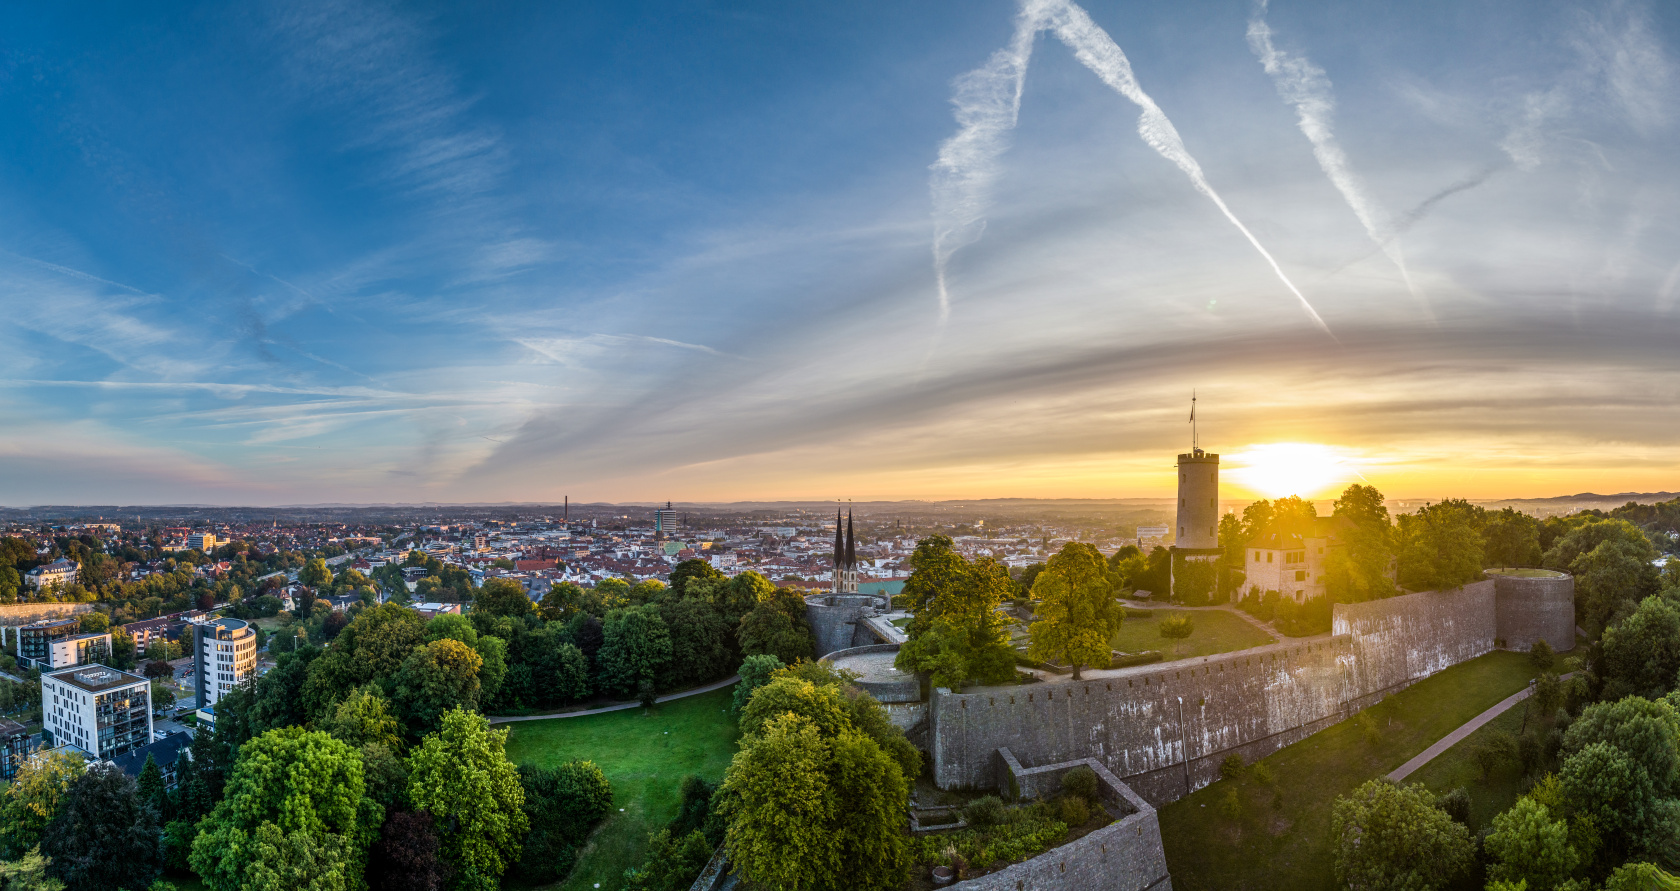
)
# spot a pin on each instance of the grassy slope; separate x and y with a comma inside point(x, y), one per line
point(645, 756)
point(1282, 837)
point(1456, 767)
point(1216, 631)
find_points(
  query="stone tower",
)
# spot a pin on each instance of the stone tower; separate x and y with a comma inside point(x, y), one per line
point(1198, 501)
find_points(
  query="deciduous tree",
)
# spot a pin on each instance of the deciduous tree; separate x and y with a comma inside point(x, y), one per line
point(1389, 836)
point(462, 777)
point(435, 678)
point(33, 799)
point(103, 836)
point(1077, 612)
point(502, 597)
point(635, 649)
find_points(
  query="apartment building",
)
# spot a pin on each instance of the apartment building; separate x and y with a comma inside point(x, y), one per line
point(102, 711)
point(224, 653)
point(58, 643)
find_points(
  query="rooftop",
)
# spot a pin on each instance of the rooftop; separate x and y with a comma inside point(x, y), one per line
point(96, 678)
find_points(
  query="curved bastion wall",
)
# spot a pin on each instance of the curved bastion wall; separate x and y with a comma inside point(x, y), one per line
point(1165, 728)
point(834, 620)
point(1534, 608)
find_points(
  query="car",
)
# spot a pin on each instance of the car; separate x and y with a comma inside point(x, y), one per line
point(159, 735)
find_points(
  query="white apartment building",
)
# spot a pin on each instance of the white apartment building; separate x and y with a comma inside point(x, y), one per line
point(224, 653)
point(60, 572)
point(102, 711)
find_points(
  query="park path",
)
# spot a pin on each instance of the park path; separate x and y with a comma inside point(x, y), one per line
point(1457, 736)
point(718, 685)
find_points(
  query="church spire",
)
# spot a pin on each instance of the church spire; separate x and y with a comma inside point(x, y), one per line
point(839, 543)
point(851, 544)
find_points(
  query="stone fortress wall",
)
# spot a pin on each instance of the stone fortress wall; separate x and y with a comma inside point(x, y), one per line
point(835, 620)
point(1165, 728)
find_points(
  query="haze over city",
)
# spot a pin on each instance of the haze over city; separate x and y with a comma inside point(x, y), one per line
point(360, 252)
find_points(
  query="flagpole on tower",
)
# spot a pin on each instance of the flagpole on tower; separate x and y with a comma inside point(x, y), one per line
point(1194, 442)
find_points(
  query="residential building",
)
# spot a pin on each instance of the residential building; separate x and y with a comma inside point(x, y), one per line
point(102, 711)
point(224, 653)
point(60, 572)
point(15, 748)
point(35, 641)
point(165, 752)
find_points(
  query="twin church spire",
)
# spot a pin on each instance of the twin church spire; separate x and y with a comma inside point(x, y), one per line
point(845, 557)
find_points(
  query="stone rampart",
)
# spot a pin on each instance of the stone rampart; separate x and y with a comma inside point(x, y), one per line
point(1407, 638)
point(1533, 609)
point(1125, 855)
point(24, 613)
point(834, 620)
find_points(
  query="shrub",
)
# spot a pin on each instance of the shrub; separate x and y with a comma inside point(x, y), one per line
point(1498, 749)
point(1080, 781)
point(1176, 627)
point(985, 811)
point(1367, 727)
point(1131, 659)
point(1231, 804)
point(1542, 655)
point(1261, 773)
point(1133, 612)
point(1457, 804)
point(1233, 767)
point(1074, 810)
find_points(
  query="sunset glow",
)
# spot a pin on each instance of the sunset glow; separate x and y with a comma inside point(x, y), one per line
point(1280, 469)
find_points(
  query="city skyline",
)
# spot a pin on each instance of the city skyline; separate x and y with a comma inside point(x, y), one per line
point(355, 253)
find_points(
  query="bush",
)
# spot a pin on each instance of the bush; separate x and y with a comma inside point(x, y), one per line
point(1261, 773)
point(1080, 781)
point(1230, 805)
point(1133, 612)
point(985, 811)
point(1457, 805)
point(1542, 656)
point(1233, 767)
point(1074, 810)
point(1176, 627)
point(1500, 748)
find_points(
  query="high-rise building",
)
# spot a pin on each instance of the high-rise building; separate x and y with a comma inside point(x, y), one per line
point(102, 711)
point(665, 520)
point(204, 541)
point(224, 653)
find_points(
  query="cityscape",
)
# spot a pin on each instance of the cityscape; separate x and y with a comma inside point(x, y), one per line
point(1029, 445)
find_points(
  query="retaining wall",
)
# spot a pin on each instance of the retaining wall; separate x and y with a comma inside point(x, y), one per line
point(834, 620)
point(1125, 855)
point(1530, 610)
point(24, 613)
point(1165, 728)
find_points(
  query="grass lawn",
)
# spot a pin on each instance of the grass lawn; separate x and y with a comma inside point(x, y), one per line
point(645, 757)
point(1525, 573)
point(1216, 631)
point(1281, 835)
point(1457, 767)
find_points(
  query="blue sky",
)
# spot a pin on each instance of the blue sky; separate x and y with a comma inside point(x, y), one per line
point(354, 252)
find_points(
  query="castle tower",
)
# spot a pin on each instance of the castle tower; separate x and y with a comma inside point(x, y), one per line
point(1198, 501)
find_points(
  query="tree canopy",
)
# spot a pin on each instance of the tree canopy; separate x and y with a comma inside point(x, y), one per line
point(956, 633)
point(462, 777)
point(1077, 611)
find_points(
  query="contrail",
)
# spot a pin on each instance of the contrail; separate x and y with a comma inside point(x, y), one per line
point(1306, 88)
point(1092, 46)
point(988, 102)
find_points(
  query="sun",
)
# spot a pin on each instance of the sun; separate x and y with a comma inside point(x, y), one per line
point(1280, 469)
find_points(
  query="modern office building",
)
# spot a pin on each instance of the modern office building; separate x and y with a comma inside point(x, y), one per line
point(58, 643)
point(224, 653)
point(102, 711)
point(665, 520)
point(15, 748)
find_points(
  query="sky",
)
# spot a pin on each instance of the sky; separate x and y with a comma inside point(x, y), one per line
point(307, 252)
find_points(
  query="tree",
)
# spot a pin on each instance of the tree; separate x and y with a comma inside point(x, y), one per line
point(703, 645)
point(315, 574)
point(755, 672)
point(561, 601)
point(1389, 836)
point(492, 653)
point(562, 806)
point(1641, 653)
point(813, 810)
point(1528, 845)
point(1511, 538)
point(1648, 731)
point(151, 789)
point(104, 836)
point(636, 648)
point(1611, 577)
point(1587, 533)
point(693, 569)
point(1440, 545)
point(33, 799)
point(435, 678)
point(1358, 570)
point(451, 626)
point(774, 628)
point(502, 597)
point(462, 777)
point(956, 632)
point(28, 873)
point(1077, 612)
point(363, 717)
point(294, 815)
point(406, 856)
point(10, 583)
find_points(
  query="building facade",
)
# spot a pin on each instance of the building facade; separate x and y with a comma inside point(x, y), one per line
point(15, 748)
point(59, 643)
point(845, 579)
point(224, 653)
point(60, 572)
point(203, 541)
point(100, 710)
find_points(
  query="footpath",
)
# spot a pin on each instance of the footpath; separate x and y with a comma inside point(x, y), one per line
point(1457, 736)
point(621, 706)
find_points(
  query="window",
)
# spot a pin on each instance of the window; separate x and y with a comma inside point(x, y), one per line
point(1268, 556)
point(1300, 576)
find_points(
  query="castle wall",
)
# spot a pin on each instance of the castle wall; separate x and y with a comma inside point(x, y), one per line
point(1529, 610)
point(833, 619)
point(1165, 728)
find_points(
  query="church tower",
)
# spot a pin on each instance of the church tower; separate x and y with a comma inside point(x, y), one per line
point(845, 557)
